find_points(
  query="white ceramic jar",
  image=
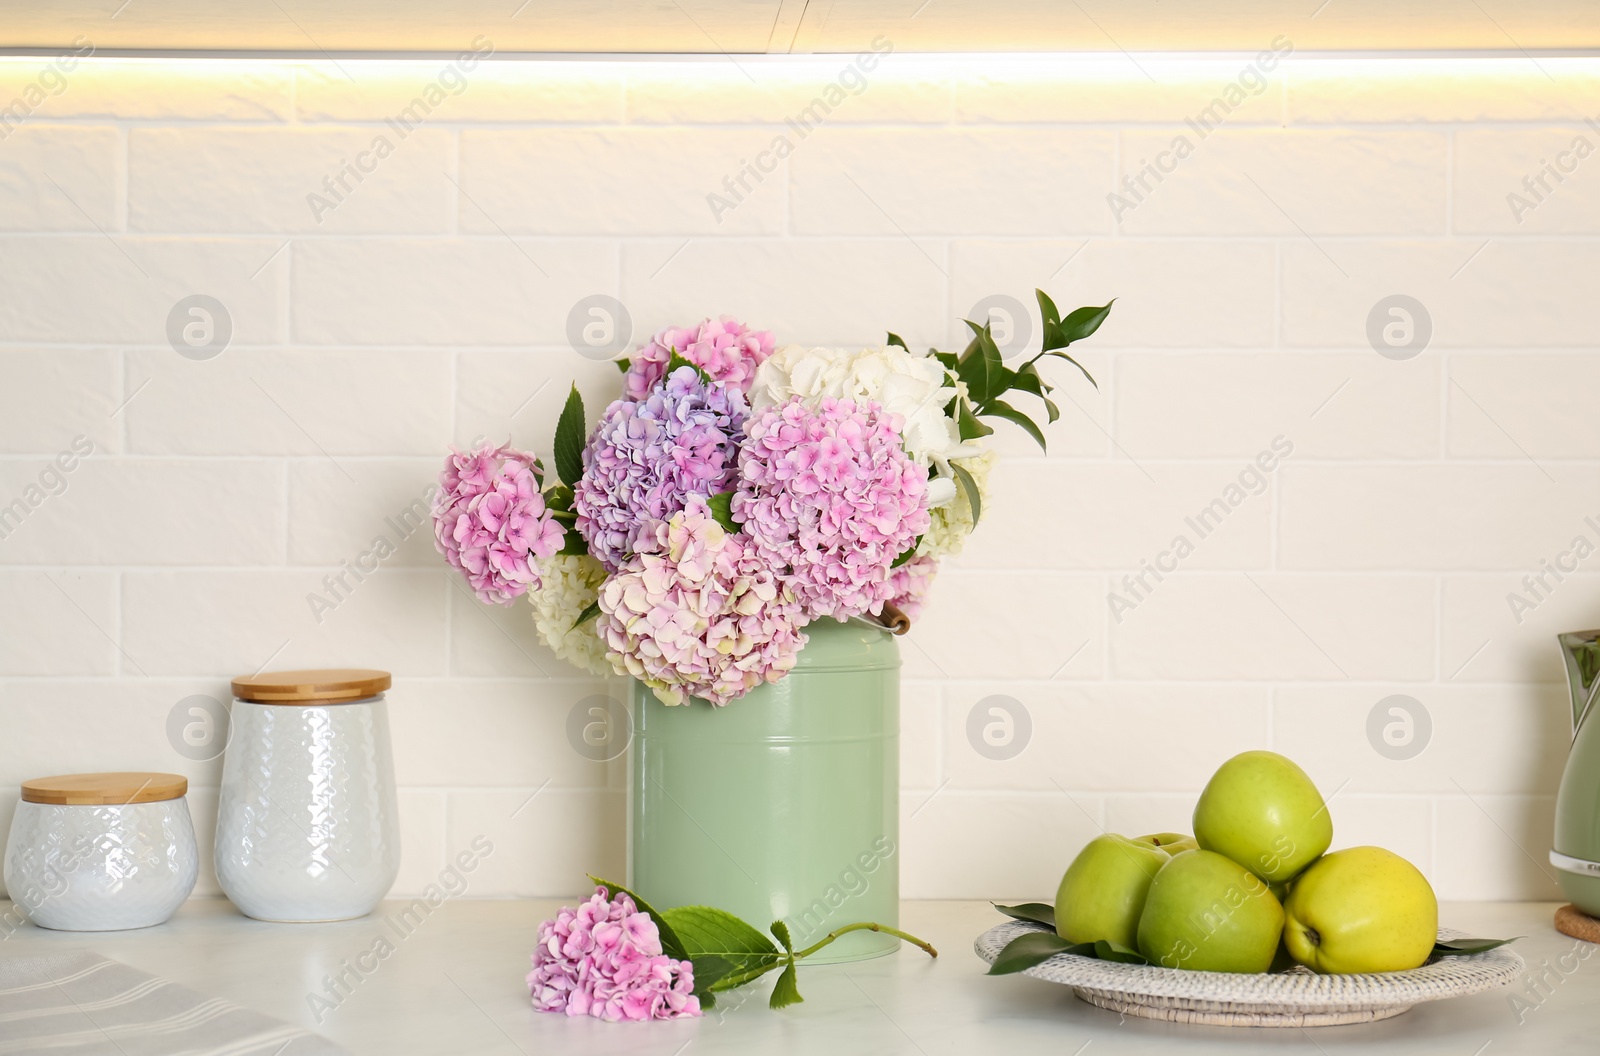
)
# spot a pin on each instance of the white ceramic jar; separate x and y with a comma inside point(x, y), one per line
point(101, 852)
point(307, 827)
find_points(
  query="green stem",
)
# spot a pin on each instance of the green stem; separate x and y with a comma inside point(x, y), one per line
point(926, 947)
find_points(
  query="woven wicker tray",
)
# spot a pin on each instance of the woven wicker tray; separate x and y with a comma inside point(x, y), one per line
point(1296, 998)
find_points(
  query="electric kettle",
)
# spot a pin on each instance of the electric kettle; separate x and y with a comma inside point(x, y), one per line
point(1576, 854)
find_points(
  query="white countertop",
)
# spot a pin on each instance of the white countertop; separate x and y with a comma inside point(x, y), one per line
point(454, 987)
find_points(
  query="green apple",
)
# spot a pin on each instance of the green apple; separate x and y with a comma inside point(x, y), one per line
point(1261, 810)
point(1102, 893)
point(1171, 842)
point(1208, 913)
point(1362, 909)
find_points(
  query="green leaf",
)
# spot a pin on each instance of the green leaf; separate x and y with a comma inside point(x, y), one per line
point(1025, 951)
point(1069, 359)
point(721, 506)
point(1467, 947)
point(734, 952)
point(980, 366)
point(1027, 379)
point(1082, 322)
point(908, 553)
point(674, 361)
point(1111, 951)
point(970, 486)
point(589, 613)
point(570, 436)
point(968, 425)
point(670, 944)
point(948, 360)
point(1047, 310)
point(623, 364)
point(572, 545)
point(896, 339)
point(787, 990)
point(1038, 912)
point(1001, 409)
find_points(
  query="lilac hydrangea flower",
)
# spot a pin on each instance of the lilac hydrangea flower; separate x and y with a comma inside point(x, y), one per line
point(829, 496)
point(648, 456)
point(696, 612)
point(490, 521)
point(604, 960)
point(727, 350)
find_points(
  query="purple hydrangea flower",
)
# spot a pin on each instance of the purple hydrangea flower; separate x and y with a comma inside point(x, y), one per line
point(727, 350)
point(649, 455)
point(604, 960)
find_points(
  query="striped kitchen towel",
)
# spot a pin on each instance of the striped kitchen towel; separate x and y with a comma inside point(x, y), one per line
point(83, 1004)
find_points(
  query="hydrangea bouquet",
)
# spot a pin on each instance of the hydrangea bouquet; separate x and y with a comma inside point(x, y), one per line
point(737, 491)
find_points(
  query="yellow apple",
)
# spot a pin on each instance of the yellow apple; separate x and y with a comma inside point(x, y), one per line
point(1362, 909)
point(1261, 810)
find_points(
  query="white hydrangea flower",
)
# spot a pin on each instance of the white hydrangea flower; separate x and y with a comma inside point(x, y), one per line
point(905, 383)
point(951, 523)
point(569, 584)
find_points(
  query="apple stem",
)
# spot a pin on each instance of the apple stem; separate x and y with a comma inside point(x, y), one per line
point(927, 947)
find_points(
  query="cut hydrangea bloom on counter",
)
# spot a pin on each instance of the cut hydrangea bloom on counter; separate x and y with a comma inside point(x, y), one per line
point(697, 612)
point(829, 495)
point(490, 521)
point(650, 455)
point(604, 959)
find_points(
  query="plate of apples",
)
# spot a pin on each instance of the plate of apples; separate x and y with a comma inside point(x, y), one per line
point(1251, 921)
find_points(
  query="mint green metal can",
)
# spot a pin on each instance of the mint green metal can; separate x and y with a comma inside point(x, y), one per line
point(784, 805)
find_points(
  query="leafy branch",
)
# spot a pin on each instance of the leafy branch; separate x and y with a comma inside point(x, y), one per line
point(727, 953)
point(982, 369)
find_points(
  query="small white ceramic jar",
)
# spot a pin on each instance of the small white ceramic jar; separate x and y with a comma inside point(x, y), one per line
point(307, 824)
point(101, 852)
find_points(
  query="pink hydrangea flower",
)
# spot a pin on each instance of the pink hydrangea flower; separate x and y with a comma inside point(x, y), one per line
point(604, 960)
point(830, 496)
point(697, 612)
point(490, 521)
point(728, 351)
point(909, 584)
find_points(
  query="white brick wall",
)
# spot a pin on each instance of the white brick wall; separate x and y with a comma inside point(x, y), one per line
point(430, 305)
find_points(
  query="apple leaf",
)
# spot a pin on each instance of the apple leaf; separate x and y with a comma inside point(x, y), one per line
point(1468, 947)
point(670, 944)
point(1111, 951)
point(1025, 951)
point(1038, 912)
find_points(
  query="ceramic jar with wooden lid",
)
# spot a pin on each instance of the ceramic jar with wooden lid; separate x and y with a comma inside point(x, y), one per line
point(307, 828)
point(101, 852)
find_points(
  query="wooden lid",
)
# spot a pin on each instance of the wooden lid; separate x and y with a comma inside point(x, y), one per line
point(311, 687)
point(95, 789)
